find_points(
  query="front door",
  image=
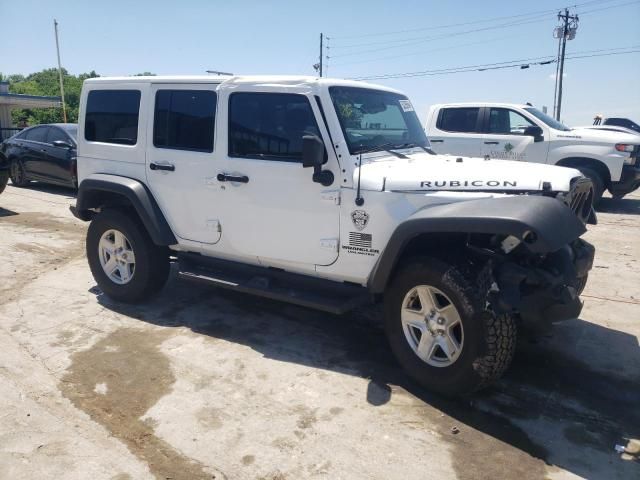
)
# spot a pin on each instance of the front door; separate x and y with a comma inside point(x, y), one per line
point(505, 138)
point(273, 209)
point(180, 159)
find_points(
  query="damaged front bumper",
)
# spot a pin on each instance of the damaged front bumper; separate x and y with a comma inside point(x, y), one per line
point(546, 291)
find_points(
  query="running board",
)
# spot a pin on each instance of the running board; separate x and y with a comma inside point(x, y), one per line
point(316, 293)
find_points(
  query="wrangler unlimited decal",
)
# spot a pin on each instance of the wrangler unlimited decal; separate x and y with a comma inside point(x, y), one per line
point(468, 183)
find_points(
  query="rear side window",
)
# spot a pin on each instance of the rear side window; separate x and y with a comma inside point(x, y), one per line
point(37, 134)
point(184, 119)
point(112, 116)
point(269, 125)
point(459, 119)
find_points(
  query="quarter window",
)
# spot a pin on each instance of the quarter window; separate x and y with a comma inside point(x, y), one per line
point(507, 122)
point(184, 119)
point(112, 116)
point(459, 119)
point(269, 125)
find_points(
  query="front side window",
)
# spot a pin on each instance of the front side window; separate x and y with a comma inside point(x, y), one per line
point(55, 134)
point(375, 118)
point(459, 119)
point(184, 119)
point(269, 125)
point(507, 122)
point(112, 116)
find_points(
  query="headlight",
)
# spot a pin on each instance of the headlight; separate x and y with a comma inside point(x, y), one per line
point(625, 147)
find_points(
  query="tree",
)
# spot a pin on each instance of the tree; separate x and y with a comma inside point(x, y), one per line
point(46, 83)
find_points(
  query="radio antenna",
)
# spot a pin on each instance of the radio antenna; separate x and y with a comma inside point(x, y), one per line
point(359, 199)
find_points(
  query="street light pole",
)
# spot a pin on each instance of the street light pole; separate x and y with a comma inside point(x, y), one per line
point(64, 107)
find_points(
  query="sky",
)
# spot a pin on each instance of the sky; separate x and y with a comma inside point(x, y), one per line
point(366, 38)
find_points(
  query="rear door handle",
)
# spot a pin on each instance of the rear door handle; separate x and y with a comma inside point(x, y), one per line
point(436, 141)
point(223, 177)
point(491, 143)
point(160, 166)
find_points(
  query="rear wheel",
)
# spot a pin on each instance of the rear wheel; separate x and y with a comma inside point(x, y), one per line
point(598, 184)
point(441, 333)
point(17, 174)
point(124, 261)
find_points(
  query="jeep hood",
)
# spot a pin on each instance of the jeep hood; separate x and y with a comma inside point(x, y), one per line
point(424, 172)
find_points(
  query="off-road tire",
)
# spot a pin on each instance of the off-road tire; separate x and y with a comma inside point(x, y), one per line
point(17, 174)
point(151, 261)
point(598, 184)
point(489, 339)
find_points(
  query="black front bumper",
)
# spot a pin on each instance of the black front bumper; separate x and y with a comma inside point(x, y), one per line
point(548, 292)
point(629, 181)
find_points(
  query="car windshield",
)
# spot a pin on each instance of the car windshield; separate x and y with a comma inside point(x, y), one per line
point(549, 121)
point(376, 120)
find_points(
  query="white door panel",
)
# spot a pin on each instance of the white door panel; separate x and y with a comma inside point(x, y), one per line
point(505, 139)
point(188, 195)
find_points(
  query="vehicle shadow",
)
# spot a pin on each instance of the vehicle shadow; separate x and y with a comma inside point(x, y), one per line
point(47, 188)
point(551, 405)
point(7, 213)
point(629, 205)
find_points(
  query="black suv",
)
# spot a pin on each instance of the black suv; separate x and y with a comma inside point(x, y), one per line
point(46, 153)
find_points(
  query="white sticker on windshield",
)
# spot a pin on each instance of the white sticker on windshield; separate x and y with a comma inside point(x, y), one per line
point(406, 105)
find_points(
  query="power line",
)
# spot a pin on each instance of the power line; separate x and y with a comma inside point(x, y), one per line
point(474, 22)
point(471, 44)
point(517, 63)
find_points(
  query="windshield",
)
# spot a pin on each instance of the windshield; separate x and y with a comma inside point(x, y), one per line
point(550, 121)
point(375, 119)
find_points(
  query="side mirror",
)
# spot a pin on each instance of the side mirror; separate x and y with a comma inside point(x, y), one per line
point(61, 144)
point(313, 156)
point(535, 132)
point(312, 151)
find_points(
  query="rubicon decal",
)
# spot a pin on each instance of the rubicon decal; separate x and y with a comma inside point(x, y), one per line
point(468, 183)
point(360, 218)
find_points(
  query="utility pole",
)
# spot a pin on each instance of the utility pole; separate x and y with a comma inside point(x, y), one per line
point(64, 107)
point(566, 31)
point(320, 67)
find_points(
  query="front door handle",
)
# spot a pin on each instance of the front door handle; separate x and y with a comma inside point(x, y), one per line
point(223, 177)
point(436, 141)
point(160, 166)
point(491, 143)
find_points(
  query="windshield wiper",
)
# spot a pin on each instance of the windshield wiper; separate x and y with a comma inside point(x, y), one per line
point(385, 147)
point(415, 145)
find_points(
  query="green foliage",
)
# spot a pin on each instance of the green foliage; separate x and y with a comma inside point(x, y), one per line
point(47, 83)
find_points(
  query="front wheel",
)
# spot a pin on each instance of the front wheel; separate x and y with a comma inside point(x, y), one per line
point(124, 261)
point(441, 333)
point(598, 184)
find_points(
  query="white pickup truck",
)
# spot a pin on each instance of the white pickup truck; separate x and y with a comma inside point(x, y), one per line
point(523, 133)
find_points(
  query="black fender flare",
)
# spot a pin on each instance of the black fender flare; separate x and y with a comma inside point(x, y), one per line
point(551, 222)
point(96, 189)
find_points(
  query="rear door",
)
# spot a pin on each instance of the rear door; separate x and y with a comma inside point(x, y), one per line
point(181, 167)
point(505, 137)
point(35, 152)
point(458, 131)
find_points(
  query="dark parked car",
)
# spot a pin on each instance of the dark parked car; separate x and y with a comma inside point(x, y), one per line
point(46, 153)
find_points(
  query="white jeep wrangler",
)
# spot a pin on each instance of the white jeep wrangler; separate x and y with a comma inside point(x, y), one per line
point(324, 193)
point(611, 160)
